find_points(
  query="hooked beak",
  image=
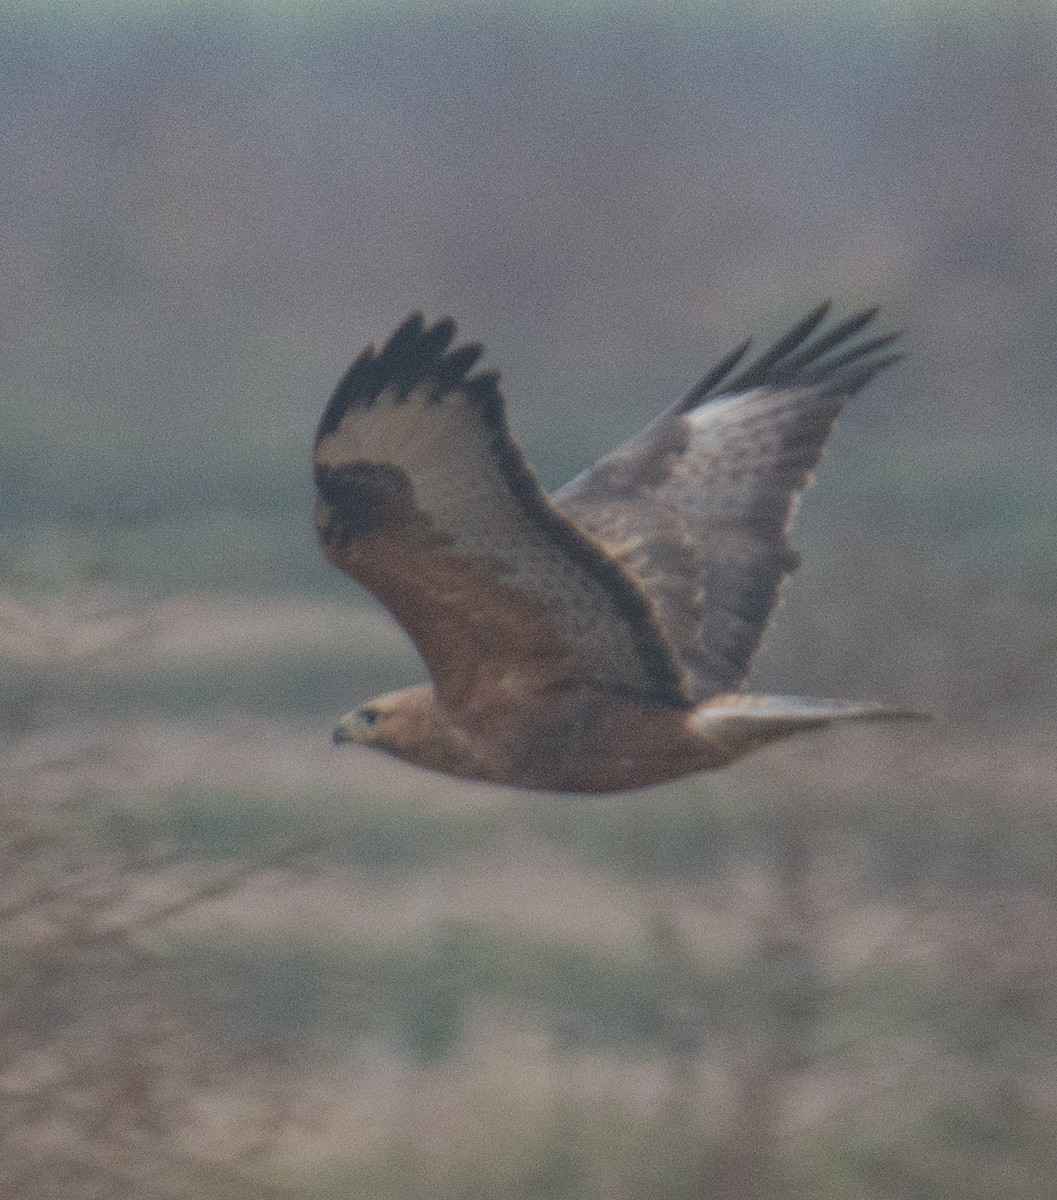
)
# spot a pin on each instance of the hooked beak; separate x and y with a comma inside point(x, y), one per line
point(348, 729)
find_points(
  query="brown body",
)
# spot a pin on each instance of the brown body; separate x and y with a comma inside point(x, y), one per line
point(576, 740)
point(571, 740)
point(594, 641)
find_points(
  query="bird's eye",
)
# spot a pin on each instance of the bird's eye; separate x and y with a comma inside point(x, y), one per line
point(368, 716)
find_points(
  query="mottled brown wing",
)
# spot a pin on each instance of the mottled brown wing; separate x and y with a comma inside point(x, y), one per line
point(697, 506)
point(424, 498)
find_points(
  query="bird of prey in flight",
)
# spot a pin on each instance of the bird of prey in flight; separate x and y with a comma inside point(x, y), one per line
point(594, 640)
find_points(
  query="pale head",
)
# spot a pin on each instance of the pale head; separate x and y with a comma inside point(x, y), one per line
point(411, 725)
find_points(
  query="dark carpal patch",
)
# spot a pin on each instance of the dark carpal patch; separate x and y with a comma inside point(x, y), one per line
point(361, 498)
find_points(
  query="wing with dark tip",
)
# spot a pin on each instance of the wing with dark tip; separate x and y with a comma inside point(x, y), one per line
point(423, 497)
point(696, 508)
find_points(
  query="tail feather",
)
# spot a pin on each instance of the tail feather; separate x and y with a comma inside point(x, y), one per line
point(741, 723)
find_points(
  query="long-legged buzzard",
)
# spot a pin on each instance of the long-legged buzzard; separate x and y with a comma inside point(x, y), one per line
point(595, 640)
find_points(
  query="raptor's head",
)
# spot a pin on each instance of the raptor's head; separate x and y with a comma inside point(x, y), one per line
point(411, 725)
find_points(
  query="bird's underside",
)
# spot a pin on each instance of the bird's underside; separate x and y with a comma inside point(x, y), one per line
point(595, 640)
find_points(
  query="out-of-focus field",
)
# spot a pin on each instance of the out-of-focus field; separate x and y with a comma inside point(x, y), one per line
point(247, 962)
point(238, 961)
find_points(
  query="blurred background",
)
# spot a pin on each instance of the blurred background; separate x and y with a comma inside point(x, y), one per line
point(237, 961)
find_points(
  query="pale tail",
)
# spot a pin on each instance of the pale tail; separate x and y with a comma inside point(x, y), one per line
point(741, 723)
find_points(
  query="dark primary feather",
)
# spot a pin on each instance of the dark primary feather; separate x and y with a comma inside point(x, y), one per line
point(696, 507)
point(780, 367)
point(411, 356)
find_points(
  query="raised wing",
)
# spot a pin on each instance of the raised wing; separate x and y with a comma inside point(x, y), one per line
point(424, 498)
point(696, 508)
